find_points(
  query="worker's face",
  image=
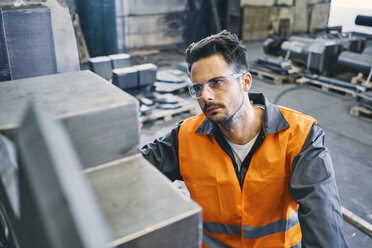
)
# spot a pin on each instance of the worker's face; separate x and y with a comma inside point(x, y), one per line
point(220, 103)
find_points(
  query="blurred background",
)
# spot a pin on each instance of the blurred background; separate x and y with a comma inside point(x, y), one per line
point(88, 82)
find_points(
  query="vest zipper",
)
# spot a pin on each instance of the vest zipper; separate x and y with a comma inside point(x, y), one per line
point(218, 136)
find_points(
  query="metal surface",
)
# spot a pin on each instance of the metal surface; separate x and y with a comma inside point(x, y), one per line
point(367, 50)
point(125, 78)
point(30, 41)
point(120, 60)
point(355, 62)
point(317, 55)
point(146, 74)
point(9, 194)
point(5, 73)
point(142, 207)
point(102, 66)
point(9, 173)
point(336, 82)
point(321, 57)
point(58, 207)
point(101, 119)
point(66, 52)
point(363, 20)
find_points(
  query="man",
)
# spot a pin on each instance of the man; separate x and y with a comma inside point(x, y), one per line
point(260, 172)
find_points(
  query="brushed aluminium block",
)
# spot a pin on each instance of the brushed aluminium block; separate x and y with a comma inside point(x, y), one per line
point(125, 78)
point(367, 50)
point(9, 172)
point(142, 207)
point(5, 73)
point(101, 119)
point(30, 41)
point(102, 66)
point(65, 45)
point(9, 193)
point(120, 60)
point(58, 206)
point(146, 74)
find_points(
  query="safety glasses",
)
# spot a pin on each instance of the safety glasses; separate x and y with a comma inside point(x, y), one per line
point(216, 84)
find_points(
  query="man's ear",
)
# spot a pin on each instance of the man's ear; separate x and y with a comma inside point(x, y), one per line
point(247, 81)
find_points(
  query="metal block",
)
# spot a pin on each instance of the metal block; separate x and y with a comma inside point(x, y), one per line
point(321, 57)
point(120, 60)
point(65, 45)
point(102, 120)
point(355, 62)
point(142, 207)
point(9, 172)
point(101, 66)
point(30, 41)
point(367, 50)
point(125, 78)
point(58, 207)
point(5, 73)
point(146, 74)
point(9, 194)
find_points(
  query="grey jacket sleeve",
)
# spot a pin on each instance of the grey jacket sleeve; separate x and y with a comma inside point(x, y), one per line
point(313, 187)
point(163, 154)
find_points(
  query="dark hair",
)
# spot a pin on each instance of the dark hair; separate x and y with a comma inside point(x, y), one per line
point(224, 43)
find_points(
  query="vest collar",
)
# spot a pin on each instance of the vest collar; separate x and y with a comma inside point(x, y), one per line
point(274, 120)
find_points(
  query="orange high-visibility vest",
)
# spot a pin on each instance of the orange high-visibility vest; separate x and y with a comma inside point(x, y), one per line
point(260, 214)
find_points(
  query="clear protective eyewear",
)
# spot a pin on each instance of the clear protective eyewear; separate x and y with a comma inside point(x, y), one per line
point(215, 84)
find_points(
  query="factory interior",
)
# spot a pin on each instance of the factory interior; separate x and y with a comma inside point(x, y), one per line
point(84, 84)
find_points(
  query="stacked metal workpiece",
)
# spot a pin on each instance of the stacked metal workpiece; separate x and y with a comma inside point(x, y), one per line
point(36, 39)
point(80, 122)
point(117, 68)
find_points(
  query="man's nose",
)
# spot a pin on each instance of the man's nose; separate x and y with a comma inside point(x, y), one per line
point(207, 94)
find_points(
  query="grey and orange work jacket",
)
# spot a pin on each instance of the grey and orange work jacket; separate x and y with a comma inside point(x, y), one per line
point(285, 194)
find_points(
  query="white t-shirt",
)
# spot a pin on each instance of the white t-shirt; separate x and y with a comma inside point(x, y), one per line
point(241, 151)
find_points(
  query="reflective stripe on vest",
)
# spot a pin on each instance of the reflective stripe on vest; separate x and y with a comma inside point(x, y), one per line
point(212, 242)
point(219, 228)
point(255, 232)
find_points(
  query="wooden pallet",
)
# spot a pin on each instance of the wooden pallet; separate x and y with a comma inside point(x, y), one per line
point(361, 112)
point(267, 75)
point(326, 87)
point(356, 221)
point(167, 114)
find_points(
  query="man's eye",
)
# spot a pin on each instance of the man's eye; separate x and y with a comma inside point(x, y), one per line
point(198, 87)
point(216, 83)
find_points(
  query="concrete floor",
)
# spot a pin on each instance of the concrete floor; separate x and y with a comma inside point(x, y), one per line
point(349, 139)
